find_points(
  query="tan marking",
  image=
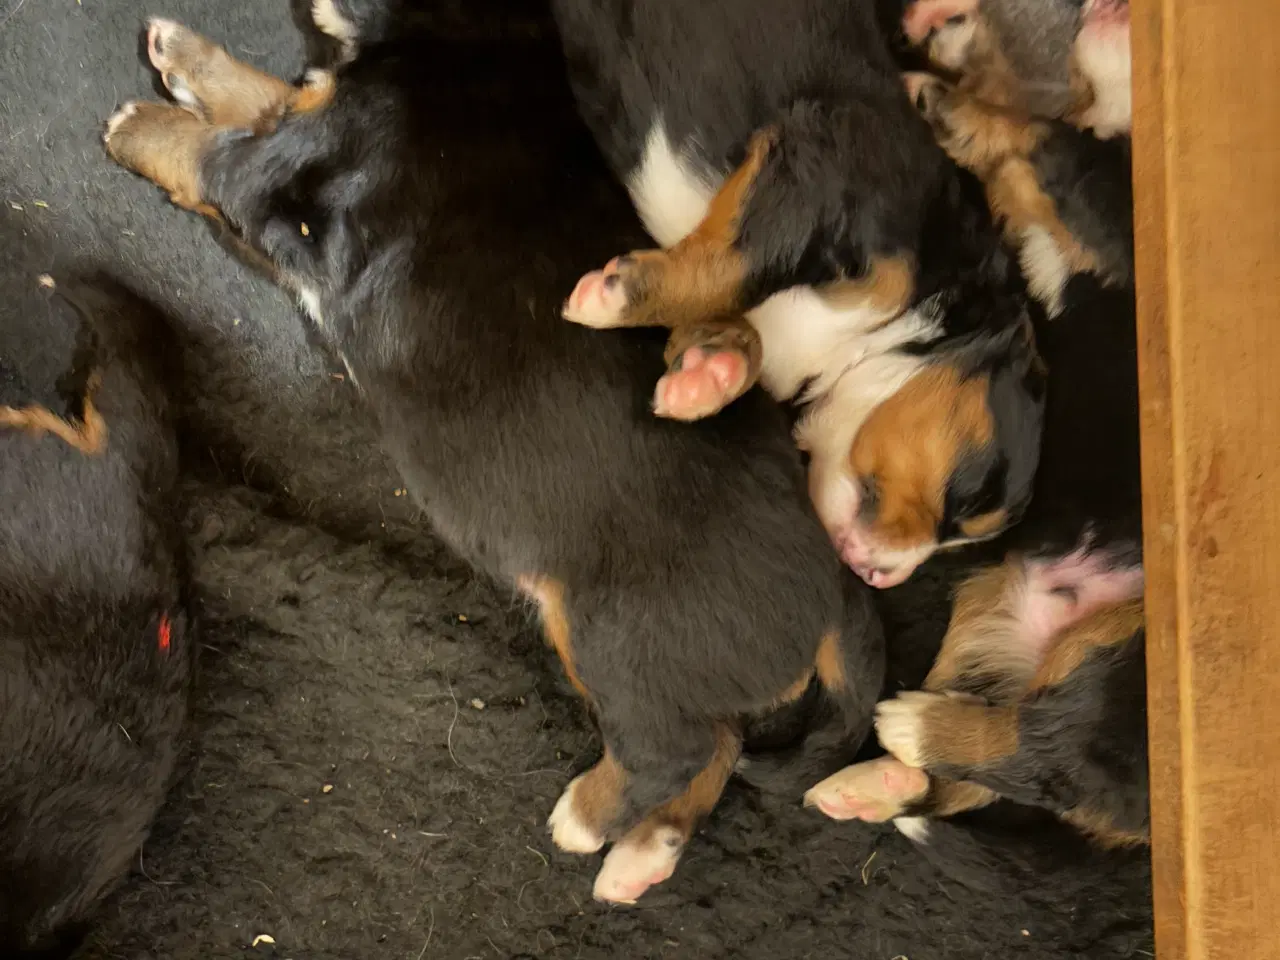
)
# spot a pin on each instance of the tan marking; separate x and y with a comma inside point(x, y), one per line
point(829, 663)
point(549, 594)
point(230, 93)
point(911, 445)
point(1099, 827)
point(980, 637)
point(597, 799)
point(315, 94)
point(984, 525)
point(703, 793)
point(886, 288)
point(163, 143)
point(1108, 627)
point(946, 798)
point(966, 733)
point(89, 436)
point(793, 692)
point(996, 143)
point(702, 275)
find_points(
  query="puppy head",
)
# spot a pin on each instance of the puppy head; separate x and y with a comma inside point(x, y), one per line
point(946, 459)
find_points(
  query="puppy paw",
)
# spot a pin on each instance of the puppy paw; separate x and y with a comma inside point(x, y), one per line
point(638, 862)
point(926, 16)
point(146, 137)
point(568, 831)
point(600, 298)
point(875, 791)
point(902, 725)
point(701, 383)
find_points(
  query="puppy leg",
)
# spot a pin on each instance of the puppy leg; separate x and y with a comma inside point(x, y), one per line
point(89, 436)
point(207, 80)
point(700, 277)
point(163, 143)
point(648, 854)
point(1075, 744)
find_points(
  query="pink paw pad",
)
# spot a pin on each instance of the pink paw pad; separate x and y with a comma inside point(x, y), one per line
point(873, 792)
point(925, 16)
point(599, 298)
point(704, 384)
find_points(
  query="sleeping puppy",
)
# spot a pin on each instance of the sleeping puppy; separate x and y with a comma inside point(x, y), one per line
point(94, 653)
point(1038, 694)
point(1060, 59)
point(680, 572)
point(817, 239)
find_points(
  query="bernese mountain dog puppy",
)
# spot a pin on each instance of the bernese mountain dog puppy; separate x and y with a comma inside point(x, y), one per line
point(1058, 59)
point(1038, 694)
point(94, 648)
point(815, 237)
point(681, 573)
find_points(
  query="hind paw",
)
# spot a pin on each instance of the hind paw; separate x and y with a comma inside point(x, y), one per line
point(875, 791)
point(635, 864)
point(701, 384)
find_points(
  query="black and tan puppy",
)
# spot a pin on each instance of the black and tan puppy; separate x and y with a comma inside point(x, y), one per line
point(681, 574)
point(814, 237)
point(1060, 59)
point(1038, 694)
point(94, 653)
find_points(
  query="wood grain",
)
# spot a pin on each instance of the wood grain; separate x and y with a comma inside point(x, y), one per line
point(1207, 217)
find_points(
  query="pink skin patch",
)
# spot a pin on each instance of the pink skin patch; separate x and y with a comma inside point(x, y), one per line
point(835, 498)
point(598, 300)
point(703, 385)
point(1062, 592)
point(925, 16)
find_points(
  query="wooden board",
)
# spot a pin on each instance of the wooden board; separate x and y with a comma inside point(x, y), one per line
point(1207, 185)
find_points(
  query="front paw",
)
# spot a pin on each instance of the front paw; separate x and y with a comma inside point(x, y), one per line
point(163, 143)
point(600, 299)
point(902, 724)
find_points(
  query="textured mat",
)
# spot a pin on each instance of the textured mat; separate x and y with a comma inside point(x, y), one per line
point(378, 735)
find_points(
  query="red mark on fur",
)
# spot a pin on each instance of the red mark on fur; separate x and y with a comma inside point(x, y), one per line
point(164, 633)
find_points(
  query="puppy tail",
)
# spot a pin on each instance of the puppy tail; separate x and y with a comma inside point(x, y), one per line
point(833, 716)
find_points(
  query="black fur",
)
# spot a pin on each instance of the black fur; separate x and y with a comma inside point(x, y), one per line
point(1082, 742)
point(90, 566)
point(853, 176)
point(697, 578)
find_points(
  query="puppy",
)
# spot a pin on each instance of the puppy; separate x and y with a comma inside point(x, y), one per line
point(815, 238)
point(1060, 59)
point(681, 575)
point(94, 652)
point(1038, 694)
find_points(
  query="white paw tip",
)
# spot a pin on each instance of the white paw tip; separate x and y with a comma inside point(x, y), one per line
point(568, 832)
point(630, 869)
point(915, 829)
point(898, 727)
point(119, 117)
